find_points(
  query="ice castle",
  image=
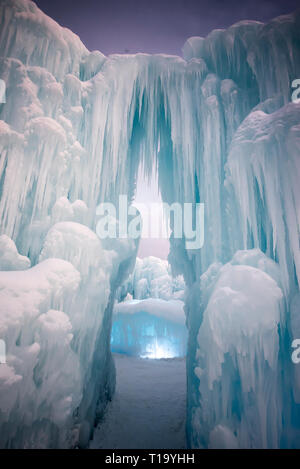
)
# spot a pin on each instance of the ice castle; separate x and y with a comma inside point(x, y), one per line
point(221, 128)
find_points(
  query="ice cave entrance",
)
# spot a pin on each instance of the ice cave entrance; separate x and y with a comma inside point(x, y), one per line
point(149, 321)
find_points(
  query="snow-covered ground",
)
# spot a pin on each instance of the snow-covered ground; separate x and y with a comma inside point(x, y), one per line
point(148, 409)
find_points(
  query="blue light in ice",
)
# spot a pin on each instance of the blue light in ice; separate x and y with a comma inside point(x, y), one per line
point(148, 336)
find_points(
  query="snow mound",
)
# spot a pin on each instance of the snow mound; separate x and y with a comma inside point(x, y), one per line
point(221, 129)
point(52, 319)
point(33, 376)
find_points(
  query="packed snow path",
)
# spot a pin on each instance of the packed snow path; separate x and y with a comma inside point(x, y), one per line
point(148, 410)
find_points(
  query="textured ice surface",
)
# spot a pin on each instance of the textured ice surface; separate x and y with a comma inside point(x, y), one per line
point(51, 314)
point(38, 333)
point(240, 330)
point(263, 168)
point(10, 259)
point(219, 127)
point(152, 278)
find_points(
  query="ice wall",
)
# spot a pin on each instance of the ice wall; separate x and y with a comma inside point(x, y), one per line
point(151, 328)
point(262, 171)
point(56, 312)
point(239, 378)
point(261, 208)
point(218, 126)
point(54, 319)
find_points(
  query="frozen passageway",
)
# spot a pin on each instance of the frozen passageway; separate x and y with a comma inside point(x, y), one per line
point(148, 409)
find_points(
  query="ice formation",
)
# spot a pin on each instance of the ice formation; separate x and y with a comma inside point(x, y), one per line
point(10, 259)
point(149, 319)
point(151, 328)
point(152, 278)
point(219, 127)
point(240, 326)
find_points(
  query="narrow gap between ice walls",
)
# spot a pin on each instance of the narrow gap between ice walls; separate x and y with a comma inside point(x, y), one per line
point(148, 340)
point(149, 319)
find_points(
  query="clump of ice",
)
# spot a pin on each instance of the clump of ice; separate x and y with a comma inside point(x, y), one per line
point(10, 259)
point(238, 350)
point(51, 320)
point(152, 278)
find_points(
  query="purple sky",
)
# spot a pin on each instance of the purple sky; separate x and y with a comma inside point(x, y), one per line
point(118, 26)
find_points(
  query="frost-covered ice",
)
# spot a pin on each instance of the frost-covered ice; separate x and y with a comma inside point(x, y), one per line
point(38, 334)
point(149, 407)
point(171, 310)
point(10, 259)
point(219, 126)
point(51, 318)
point(240, 328)
point(152, 278)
